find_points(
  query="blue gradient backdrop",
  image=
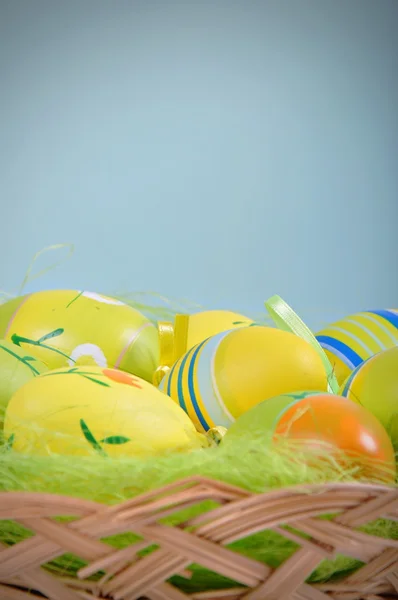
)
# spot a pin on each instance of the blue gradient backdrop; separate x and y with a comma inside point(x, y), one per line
point(218, 150)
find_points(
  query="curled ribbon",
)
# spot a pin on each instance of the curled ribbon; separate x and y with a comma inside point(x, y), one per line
point(286, 319)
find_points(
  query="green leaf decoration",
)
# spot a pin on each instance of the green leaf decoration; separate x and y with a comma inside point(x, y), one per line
point(52, 334)
point(17, 339)
point(75, 371)
point(10, 441)
point(115, 440)
point(74, 299)
point(25, 360)
point(298, 396)
point(90, 438)
point(94, 380)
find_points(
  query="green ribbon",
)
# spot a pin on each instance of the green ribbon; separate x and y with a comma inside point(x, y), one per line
point(5, 296)
point(30, 277)
point(286, 319)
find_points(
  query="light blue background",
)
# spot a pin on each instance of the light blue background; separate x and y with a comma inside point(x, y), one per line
point(222, 151)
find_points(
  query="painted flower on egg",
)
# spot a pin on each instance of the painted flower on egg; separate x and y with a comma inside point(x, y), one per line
point(87, 354)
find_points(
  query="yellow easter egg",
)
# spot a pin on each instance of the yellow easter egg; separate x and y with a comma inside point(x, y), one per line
point(221, 378)
point(374, 385)
point(67, 327)
point(354, 339)
point(16, 368)
point(203, 325)
point(81, 410)
point(7, 311)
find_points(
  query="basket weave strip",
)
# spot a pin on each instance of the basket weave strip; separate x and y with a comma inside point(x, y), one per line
point(123, 574)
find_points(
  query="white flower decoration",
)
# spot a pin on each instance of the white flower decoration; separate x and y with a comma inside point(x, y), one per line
point(102, 299)
point(87, 354)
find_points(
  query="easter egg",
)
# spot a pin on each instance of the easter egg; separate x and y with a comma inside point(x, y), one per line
point(16, 368)
point(66, 327)
point(81, 410)
point(374, 385)
point(352, 340)
point(205, 324)
point(221, 378)
point(321, 417)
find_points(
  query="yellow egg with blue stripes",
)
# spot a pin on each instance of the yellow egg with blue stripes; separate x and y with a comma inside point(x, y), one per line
point(351, 341)
point(222, 377)
point(374, 385)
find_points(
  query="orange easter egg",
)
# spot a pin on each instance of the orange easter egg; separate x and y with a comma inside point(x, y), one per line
point(320, 418)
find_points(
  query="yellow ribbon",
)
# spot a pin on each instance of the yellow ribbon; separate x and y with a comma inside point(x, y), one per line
point(166, 341)
point(216, 434)
point(173, 344)
point(181, 325)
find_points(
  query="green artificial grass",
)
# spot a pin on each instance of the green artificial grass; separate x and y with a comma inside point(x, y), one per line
point(250, 464)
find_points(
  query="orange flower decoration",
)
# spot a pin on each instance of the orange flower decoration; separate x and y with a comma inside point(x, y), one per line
point(122, 377)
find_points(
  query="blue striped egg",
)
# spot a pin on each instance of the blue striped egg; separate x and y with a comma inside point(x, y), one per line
point(354, 339)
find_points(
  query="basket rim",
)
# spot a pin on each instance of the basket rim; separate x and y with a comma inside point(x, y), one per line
point(198, 480)
point(202, 539)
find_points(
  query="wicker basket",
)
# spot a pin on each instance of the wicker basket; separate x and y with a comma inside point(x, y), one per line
point(202, 540)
